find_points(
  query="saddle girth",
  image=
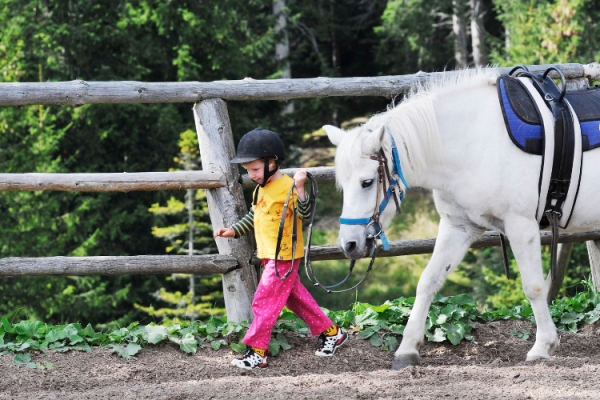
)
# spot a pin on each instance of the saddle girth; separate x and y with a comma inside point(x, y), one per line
point(562, 150)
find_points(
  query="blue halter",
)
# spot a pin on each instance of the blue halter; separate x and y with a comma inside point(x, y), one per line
point(396, 171)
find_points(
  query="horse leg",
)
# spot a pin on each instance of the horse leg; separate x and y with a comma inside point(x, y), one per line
point(525, 243)
point(453, 241)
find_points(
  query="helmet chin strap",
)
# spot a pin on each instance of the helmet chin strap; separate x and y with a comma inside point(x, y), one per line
point(268, 174)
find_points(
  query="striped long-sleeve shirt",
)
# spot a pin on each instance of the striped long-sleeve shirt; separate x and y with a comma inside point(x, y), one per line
point(246, 224)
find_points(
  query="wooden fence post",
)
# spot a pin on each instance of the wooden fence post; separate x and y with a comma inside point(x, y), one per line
point(593, 247)
point(226, 205)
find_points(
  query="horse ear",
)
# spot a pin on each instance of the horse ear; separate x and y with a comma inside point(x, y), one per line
point(335, 134)
point(374, 141)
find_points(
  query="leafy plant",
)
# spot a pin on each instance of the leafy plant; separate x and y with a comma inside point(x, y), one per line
point(450, 318)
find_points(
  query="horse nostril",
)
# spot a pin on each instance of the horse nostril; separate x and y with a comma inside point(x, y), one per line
point(350, 246)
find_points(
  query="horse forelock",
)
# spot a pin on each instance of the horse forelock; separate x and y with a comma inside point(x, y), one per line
point(349, 156)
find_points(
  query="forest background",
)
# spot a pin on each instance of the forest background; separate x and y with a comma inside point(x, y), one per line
point(193, 40)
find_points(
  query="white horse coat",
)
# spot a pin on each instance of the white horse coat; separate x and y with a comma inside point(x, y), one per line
point(452, 139)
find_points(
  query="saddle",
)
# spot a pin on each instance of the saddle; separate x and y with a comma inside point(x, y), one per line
point(524, 121)
point(559, 125)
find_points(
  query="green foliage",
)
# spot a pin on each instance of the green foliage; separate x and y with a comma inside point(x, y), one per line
point(546, 32)
point(413, 35)
point(451, 318)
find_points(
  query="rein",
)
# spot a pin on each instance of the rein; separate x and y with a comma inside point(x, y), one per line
point(280, 232)
point(386, 184)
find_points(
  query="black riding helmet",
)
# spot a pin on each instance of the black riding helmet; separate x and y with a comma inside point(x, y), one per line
point(262, 144)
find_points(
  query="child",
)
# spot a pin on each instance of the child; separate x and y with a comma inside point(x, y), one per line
point(260, 151)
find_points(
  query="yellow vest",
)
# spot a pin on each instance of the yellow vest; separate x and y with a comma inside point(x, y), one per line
point(267, 216)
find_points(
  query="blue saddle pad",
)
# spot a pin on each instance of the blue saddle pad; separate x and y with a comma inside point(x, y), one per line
point(524, 123)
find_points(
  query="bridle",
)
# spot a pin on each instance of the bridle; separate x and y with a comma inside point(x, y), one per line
point(389, 186)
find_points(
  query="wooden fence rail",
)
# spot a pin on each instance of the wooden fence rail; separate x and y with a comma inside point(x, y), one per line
point(203, 264)
point(126, 182)
point(78, 93)
point(425, 246)
point(112, 182)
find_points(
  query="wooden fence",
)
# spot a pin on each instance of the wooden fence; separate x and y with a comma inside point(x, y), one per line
point(221, 179)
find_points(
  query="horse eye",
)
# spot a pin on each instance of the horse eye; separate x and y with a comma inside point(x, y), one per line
point(367, 183)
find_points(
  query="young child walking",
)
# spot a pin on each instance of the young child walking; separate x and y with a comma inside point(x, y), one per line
point(260, 152)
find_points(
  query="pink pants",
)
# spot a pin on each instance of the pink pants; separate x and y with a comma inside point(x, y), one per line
point(272, 294)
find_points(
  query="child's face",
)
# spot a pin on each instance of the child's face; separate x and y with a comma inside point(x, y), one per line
point(256, 169)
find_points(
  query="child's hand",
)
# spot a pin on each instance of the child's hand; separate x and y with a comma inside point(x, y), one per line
point(300, 178)
point(224, 232)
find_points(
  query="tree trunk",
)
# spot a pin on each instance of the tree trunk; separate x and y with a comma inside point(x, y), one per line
point(459, 29)
point(282, 48)
point(477, 33)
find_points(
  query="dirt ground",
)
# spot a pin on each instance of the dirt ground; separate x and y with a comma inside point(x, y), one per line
point(491, 367)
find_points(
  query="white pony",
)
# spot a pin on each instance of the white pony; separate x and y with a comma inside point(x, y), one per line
point(451, 138)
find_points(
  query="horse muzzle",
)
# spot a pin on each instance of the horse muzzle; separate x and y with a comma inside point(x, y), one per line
point(358, 241)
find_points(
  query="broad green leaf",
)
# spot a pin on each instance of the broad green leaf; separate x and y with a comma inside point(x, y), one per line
point(63, 349)
point(49, 365)
point(82, 347)
point(571, 317)
point(238, 347)
point(456, 333)
point(590, 317)
point(274, 347)
point(70, 330)
point(390, 342)
point(463, 300)
point(7, 326)
point(376, 341)
point(24, 359)
point(367, 333)
point(119, 350)
point(369, 317)
point(438, 335)
point(216, 344)
point(88, 331)
point(283, 341)
point(156, 334)
point(442, 318)
point(397, 329)
point(186, 343)
point(28, 328)
point(133, 348)
point(381, 308)
point(57, 333)
point(56, 345)
point(521, 334)
point(74, 339)
point(118, 334)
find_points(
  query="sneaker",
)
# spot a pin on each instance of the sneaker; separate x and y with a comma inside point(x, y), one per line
point(250, 360)
point(329, 344)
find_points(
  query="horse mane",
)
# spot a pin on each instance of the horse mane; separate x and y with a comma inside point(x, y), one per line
point(412, 123)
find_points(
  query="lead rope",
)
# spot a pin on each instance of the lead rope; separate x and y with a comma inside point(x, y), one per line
point(503, 247)
point(280, 232)
point(553, 217)
point(307, 263)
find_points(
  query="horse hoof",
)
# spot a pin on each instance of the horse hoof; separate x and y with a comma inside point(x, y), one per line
point(536, 359)
point(406, 360)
